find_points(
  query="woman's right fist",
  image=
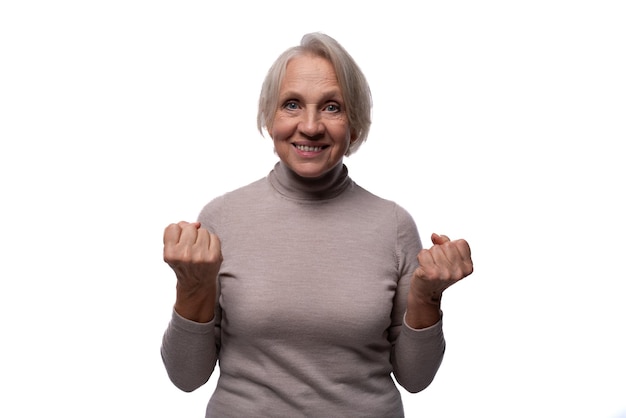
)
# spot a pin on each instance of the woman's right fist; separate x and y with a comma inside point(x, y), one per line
point(193, 253)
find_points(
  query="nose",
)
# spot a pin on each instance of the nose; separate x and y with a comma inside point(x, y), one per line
point(311, 124)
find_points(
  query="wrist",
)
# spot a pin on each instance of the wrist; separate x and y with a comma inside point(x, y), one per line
point(195, 304)
point(423, 312)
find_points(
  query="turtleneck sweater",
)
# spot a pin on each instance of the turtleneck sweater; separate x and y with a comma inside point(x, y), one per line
point(311, 300)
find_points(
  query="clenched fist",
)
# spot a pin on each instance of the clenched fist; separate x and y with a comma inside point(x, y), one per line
point(444, 264)
point(195, 255)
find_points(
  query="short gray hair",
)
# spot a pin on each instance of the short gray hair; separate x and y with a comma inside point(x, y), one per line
point(354, 87)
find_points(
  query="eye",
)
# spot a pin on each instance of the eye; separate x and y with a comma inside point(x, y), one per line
point(290, 105)
point(333, 108)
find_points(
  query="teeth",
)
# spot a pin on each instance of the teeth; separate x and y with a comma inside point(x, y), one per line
point(308, 148)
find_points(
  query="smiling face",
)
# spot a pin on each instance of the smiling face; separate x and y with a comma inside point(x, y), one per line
point(310, 127)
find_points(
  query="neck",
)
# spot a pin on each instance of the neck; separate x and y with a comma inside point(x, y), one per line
point(290, 184)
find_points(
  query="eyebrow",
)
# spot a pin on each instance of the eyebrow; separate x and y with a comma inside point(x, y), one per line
point(334, 94)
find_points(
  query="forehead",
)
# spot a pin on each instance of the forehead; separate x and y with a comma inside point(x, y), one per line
point(309, 69)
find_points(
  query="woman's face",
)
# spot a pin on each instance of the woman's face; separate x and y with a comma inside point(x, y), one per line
point(310, 127)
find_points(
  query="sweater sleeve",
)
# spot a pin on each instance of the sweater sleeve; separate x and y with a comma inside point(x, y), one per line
point(189, 352)
point(190, 349)
point(416, 354)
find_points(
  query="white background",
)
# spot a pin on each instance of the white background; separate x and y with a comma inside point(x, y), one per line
point(500, 122)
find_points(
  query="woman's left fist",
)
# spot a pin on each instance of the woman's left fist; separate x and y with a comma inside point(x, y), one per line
point(444, 264)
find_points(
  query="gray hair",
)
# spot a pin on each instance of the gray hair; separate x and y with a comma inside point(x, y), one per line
point(354, 87)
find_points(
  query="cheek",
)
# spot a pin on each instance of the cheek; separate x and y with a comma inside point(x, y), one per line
point(280, 129)
point(341, 132)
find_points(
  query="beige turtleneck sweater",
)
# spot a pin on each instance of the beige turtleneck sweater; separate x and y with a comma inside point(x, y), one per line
point(312, 295)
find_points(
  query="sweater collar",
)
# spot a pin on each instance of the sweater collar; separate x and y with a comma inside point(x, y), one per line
point(289, 184)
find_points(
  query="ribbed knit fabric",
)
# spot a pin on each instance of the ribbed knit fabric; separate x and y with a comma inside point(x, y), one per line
point(310, 319)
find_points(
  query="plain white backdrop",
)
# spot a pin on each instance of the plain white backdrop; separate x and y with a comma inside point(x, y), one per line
point(500, 122)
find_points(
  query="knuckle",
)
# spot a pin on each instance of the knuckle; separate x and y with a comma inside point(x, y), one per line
point(169, 229)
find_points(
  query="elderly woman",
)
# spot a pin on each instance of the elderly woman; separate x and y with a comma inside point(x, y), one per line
point(308, 289)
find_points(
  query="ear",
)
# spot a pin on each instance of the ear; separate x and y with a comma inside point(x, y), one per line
point(353, 136)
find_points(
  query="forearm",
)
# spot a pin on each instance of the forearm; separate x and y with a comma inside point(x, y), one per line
point(189, 352)
point(417, 355)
